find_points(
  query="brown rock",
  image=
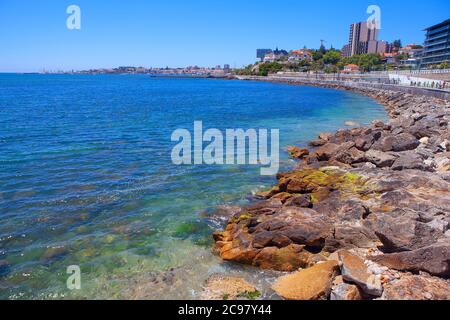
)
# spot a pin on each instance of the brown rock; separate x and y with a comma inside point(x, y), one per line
point(289, 258)
point(433, 259)
point(303, 201)
point(364, 143)
point(347, 236)
point(304, 226)
point(380, 159)
point(315, 259)
point(351, 156)
point(409, 161)
point(414, 287)
point(268, 194)
point(326, 136)
point(385, 143)
point(226, 288)
point(355, 271)
point(326, 152)
point(345, 291)
point(283, 196)
point(297, 153)
point(405, 142)
point(317, 143)
point(309, 284)
point(404, 233)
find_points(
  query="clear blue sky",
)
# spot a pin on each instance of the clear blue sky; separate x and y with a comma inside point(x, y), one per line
point(34, 36)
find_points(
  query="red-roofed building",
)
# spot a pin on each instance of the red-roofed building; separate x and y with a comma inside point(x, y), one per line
point(351, 68)
point(300, 55)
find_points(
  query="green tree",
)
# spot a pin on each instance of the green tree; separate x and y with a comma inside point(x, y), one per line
point(397, 44)
point(332, 57)
point(322, 49)
point(317, 55)
point(267, 68)
point(369, 62)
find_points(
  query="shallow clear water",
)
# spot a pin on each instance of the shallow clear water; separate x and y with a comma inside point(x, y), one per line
point(86, 177)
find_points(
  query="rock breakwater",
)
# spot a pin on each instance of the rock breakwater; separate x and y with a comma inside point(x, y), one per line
point(375, 201)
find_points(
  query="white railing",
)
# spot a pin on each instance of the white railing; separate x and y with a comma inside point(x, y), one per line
point(390, 78)
point(406, 72)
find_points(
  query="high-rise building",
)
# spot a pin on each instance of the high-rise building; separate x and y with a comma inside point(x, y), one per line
point(360, 34)
point(437, 45)
point(362, 40)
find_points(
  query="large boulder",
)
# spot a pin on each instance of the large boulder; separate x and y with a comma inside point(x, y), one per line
point(288, 259)
point(400, 231)
point(364, 143)
point(301, 225)
point(348, 236)
point(415, 287)
point(405, 142)
point(380, 159)
point(273, 239)
point(396, 142)
point(309, 284)
point(317, 143)
point(355, 271)
point(351, 156)
point(434, 259)
point(326, 152)
point(409, 161)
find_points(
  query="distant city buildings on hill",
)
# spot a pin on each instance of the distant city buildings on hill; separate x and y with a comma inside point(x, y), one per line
point(269, 55)
point(217, 71)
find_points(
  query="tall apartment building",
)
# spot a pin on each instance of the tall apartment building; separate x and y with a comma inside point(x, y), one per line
point(437, 45)
point(362, 40)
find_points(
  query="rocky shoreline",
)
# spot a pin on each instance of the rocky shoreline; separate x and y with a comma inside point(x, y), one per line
point(365, 215)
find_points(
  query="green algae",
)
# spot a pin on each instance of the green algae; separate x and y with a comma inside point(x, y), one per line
point(242, 217)
point(319, 183)
point(253, 295)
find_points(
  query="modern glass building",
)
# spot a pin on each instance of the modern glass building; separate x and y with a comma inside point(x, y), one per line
point(437, 45)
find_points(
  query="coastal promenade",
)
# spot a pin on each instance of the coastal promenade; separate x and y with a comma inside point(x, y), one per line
point(365, 214)
point(357, 81)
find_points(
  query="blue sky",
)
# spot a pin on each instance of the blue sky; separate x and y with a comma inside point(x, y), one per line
point(34, 36)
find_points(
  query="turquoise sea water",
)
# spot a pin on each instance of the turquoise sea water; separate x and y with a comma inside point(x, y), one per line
point(86, 177)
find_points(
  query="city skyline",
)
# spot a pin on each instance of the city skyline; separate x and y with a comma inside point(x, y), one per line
point(112, 34)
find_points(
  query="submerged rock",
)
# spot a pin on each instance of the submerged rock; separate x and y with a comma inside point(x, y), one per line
point(53, 253)
point(4, 268)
